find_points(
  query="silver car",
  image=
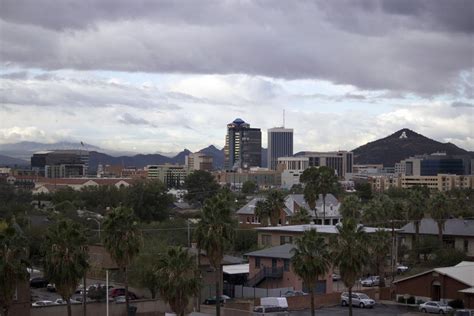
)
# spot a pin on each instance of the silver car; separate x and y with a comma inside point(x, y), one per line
point(435, 307)
point(358, 299)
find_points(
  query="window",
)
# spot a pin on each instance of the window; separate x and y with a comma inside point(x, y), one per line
point(286, 265)
point(266, 240)
point(286, 240)
point(466, 246)
point(257, 262)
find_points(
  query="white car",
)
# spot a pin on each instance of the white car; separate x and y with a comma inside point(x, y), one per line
point(42, 303)
point(435, 307)
point(60, 301)
point(401, 268)
point(358, 299)
point(371, 281)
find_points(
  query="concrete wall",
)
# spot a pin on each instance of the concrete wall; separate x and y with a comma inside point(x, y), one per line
point(145, 307)
point(255, 292)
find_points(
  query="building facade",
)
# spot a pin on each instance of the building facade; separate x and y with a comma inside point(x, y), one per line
point(198, 161)
point(434, 164)
point(262, 177)
point(61, 163)
point(243, 146)
point(292, 169)
point(280, 144)
point(172, 176)
point(341, 161)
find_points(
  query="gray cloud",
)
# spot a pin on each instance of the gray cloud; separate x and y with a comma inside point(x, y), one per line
point(411, 46)
point(129, 119)
point(459, 104)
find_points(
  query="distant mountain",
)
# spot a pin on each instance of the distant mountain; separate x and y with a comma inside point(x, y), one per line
point(6, 161)
point(180, 157)
point(400, 145)
point(139, 161)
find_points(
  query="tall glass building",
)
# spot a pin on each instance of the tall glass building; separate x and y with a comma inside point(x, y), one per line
point(243, 146)
point(280, 144)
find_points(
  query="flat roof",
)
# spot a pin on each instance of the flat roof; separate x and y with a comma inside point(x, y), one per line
point(236, 268)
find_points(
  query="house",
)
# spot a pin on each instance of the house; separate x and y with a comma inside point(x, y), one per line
point(449, 283)
point(49, 185)
point(275, 236)
point(457, 233)
point(272, 268)
point(293, 204)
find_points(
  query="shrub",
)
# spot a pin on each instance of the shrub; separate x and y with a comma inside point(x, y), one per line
point(401, 299)
point(456, 304)
point(411, 300)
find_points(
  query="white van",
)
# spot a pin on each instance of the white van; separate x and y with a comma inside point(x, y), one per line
point(279, 302)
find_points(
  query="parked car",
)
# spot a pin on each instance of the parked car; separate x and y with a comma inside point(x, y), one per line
point(401, 268)
point(51, 287)
point(269, 310)
point(38, 282)
point(464, 312)
point(121, 292)
point(60, 301)
point(280, 302)
point(336, 277)
point(42, 303)
point(435, 307)
point(212, 300)
point(293, 293)
point(373, 280)
point(358, 299)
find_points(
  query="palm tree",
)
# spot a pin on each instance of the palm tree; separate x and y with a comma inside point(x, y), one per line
point(381, 243)
point(439, 207)
point(350, 253)
point(350, 207)
point(311, 259)
point(65, 257)
point(13, 262)
point(214, 234)
point(122, 239)
point(416, 204)
point(319, 181)
point(178, 280)
point(301, 217)
point(271, 207)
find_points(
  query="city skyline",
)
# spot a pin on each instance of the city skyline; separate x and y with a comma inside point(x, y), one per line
point(163, 76)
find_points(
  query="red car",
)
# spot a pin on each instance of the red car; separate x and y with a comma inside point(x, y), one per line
point(113, 293)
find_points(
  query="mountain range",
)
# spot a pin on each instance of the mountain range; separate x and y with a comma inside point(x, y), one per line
point(387, 151)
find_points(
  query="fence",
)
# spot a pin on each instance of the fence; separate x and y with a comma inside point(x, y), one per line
point(255, 292)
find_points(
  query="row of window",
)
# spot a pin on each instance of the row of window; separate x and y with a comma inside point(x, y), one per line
point(286, 263)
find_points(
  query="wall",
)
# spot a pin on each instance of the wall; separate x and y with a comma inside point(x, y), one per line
point(145, 307)
point(255, 292)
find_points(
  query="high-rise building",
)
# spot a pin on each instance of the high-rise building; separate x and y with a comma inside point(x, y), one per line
point(61, 163)
point(437, 163)
point(340, 161)
point(280, 144)
point(243, 146)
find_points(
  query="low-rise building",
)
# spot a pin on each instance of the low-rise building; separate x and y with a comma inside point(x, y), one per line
point(49, 185)
point(262, 177)
point(272, 268)
point(198, 161)
point(440, 182)
point(441, 284)
point(172, 176)
point(457, 233)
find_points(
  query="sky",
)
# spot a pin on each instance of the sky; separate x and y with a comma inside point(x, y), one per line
point(159, 76)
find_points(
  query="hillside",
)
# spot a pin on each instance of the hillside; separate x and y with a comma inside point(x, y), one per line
point(392, 149)
point(6, 161)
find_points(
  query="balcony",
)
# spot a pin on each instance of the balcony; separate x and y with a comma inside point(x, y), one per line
point(265, 273)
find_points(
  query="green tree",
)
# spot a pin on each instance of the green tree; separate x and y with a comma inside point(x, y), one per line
point(249, 187)
point(143, 272)
point(149, 200)
point(364, 191)
point(322, 181)
point(311, 259)
point(178, 278)
point(380, 248)
point(215, 233)
point(351, 207)
point(122, 239)
point(350, 253)
point(271, 207)
point(415, 208)
point(439, 208)
point(201, 185)
point(65, 258)
point(302, 216)
point(13, 262)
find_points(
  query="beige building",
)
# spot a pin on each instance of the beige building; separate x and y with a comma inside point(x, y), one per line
point(171, 175)
point(263, 178)
point(198, 161)
point(440, 182)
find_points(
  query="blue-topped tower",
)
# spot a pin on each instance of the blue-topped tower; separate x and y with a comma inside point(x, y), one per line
point(243, 146)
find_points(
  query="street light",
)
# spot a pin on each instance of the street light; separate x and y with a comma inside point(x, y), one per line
point(95, 220)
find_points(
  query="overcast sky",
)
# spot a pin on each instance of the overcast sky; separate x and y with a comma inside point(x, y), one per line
point(151, 76)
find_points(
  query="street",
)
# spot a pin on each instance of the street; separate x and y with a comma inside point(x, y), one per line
point(379, 310)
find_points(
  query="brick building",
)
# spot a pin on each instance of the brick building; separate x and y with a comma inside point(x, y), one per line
point(456, 282)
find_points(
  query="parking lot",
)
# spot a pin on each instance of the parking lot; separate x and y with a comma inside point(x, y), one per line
point(379, 310)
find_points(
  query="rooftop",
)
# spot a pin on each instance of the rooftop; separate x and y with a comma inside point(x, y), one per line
point(324, 229)
point(453, 226)
point(283, 251)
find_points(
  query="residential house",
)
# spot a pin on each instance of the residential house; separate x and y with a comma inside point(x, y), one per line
point(457, 233)
point(272, 268)
point(445, 284)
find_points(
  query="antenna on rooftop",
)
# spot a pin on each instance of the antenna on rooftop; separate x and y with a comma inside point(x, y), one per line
point(283, 118)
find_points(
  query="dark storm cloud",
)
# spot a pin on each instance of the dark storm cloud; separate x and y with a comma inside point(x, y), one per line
point(412, 46)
